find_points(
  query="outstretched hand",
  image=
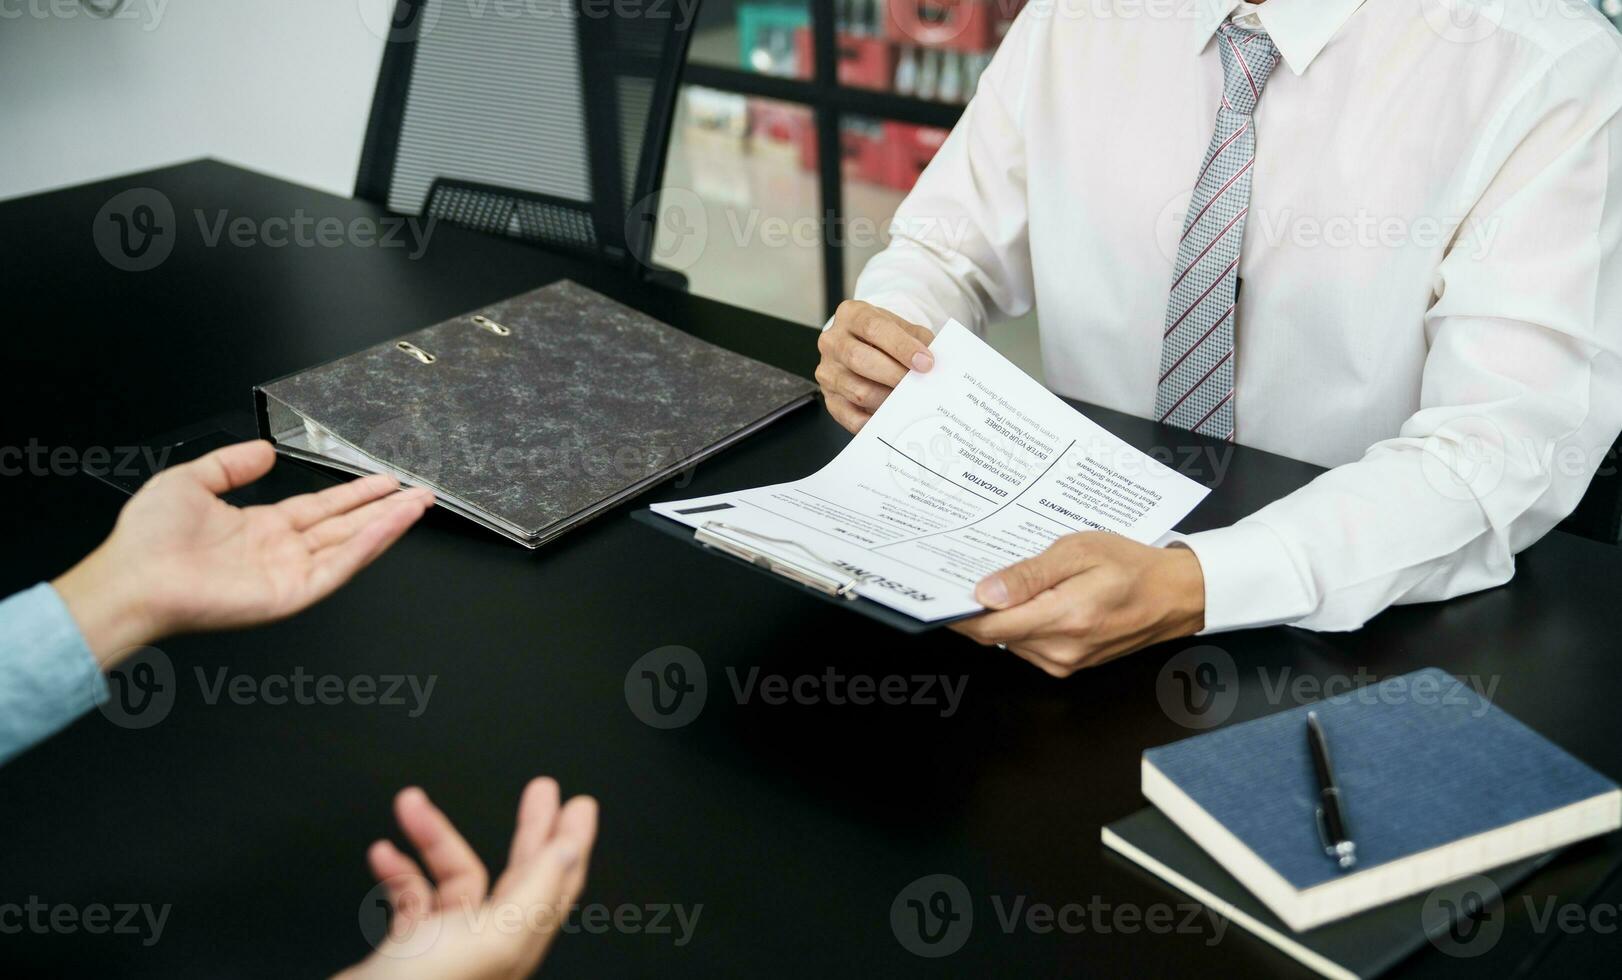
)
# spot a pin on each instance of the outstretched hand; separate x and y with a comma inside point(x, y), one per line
point(454, 926)
point(180, 559)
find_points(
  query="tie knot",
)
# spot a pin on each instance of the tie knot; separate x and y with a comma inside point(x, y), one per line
point(1248, 58)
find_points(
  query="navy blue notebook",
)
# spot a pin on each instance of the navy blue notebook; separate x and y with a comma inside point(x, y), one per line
point(1363, 946)
point(1437, 784)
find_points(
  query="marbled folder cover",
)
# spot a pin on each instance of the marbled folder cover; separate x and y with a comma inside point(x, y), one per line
point(581, 403)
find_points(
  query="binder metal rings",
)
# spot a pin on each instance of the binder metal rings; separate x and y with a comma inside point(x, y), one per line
point(416, 352)
point(491, 325)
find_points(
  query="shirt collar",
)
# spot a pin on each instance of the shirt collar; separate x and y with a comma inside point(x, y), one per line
point(1299, 28)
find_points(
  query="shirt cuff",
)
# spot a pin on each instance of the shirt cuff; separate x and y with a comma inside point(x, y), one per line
point(48, 677)
point(1250, 578)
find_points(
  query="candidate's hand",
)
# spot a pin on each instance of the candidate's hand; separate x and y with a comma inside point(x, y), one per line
point(865, 354)
point(181, 559)
point(1090, 598)
point(451, 928)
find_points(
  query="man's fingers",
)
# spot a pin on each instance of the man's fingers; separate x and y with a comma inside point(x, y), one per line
point(409, 891)
point(577, 828)
point(544, 881)
point(846, 414)
point(892, 335)
point(556, 874)
point(231, 467)
point(457, 870)
point(546, 886)
point(1035, 617)
point(553, 877)
point(338, 563)
point(836, 379)
point(1030, 647)
point(537, 813)
point(1022, 581)
point(924, 334)
point(1036, 657)
point(548, 869)
point(864, 356)
point(309, 509)
point(538, 889)
point(869, 362)
point(341, 527)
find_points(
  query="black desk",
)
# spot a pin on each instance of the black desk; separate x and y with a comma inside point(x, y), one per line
point(795, 826)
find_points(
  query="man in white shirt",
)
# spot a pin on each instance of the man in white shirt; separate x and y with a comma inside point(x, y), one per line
point(1377, 235)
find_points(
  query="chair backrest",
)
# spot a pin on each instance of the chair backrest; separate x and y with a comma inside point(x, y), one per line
point(544, 120)
point(1599, 513)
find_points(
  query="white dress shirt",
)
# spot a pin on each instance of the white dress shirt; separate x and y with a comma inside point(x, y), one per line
point(1431, 298)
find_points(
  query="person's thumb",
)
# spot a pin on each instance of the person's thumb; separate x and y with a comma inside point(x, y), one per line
point(1025, 580)
point(231, 467)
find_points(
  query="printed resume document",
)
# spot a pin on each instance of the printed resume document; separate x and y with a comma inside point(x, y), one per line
point(962, 471)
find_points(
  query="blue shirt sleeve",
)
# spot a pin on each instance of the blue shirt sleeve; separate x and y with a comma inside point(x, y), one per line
point(48, 676)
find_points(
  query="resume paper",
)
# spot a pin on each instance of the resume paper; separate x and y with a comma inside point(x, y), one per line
point(961, 472)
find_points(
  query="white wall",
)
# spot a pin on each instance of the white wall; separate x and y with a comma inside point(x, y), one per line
point(279, 86)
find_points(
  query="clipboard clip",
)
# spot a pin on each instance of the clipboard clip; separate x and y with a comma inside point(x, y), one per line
point(829, 579)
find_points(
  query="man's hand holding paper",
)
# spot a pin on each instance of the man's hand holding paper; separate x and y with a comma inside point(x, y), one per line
point(973, 474)
point(866, 351)
point(1089, 598)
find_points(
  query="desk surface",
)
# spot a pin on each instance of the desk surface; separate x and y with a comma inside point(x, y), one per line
point(795, 826)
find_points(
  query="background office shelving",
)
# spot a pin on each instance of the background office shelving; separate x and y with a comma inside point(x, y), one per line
point(814, 118)
point(771, 84)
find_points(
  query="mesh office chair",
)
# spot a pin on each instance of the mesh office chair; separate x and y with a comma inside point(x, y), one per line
point(544, 121)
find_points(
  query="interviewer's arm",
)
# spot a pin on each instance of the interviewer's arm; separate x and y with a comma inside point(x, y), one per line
point(959, 242)
point(959, 247)
point(1522, 390)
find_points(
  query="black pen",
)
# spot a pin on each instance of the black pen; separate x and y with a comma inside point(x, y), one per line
point(1331, 821)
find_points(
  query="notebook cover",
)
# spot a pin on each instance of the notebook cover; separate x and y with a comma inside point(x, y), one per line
point(583, 399)
point(1422, 761)
point(1364, 945)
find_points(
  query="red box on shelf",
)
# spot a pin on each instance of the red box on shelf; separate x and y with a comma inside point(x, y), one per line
point(909, 150)
point(780, 122)
point(865, 155)
point(964, 25)
point(806, 140)
point(864, 62)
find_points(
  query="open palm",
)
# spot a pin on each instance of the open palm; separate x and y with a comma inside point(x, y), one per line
point(181, 559)
point(450, 923)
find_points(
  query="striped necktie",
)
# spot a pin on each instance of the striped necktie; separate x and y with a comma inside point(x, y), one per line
point(1196, 351)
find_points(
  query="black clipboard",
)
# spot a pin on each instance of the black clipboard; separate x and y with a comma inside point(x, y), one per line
point(857, 604)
